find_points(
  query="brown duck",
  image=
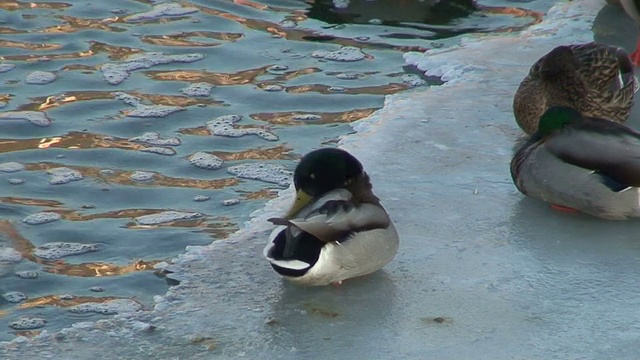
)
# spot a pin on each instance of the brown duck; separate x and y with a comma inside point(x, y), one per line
point(595, 79)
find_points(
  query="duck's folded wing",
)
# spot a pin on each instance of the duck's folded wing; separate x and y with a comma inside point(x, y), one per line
point(611, 150)
point(333, 222)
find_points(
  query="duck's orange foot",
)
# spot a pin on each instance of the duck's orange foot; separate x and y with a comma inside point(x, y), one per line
point(564, 208)
point(336, 284)
point(635, 56)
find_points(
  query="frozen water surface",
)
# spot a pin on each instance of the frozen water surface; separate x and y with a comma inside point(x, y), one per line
point(36, 118)
point(14, 296)
point(262, 171)
point(163, 10)
point(153, 138)
point(63, 175)
point(142, 176)
point(165, 217)
point(204, 160)
point(116, 72)
point(159, 150)
point(202, 89)
point(482, 272)
point(27, 274)
point(107, 308)
point(40, 78)
point(44, 217)
point(6, 67)
point(57, 250)
point(11, 167)
point(347, 53)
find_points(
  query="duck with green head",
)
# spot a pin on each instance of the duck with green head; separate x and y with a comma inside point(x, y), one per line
point(596, 79)
point(336, 228)
point(587, 164)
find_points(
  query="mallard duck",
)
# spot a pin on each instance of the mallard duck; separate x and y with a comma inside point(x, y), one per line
point(587, 164)
point(595, 79)
point(336, 228)
point(632, 8)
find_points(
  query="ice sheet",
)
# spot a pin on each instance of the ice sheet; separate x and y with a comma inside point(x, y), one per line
point(482, 272)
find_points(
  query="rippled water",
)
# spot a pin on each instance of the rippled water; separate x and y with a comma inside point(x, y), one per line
point(131, 129)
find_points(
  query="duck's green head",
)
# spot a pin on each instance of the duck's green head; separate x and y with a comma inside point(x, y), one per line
point(321, 171)
point(556, 117)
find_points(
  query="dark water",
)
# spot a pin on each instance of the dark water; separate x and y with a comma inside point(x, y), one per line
point(116, 70)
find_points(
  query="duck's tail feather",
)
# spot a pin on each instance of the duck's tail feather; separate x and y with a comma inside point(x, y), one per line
point(627, 73)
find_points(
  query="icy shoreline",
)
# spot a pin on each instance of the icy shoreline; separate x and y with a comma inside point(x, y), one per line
point(481, 273)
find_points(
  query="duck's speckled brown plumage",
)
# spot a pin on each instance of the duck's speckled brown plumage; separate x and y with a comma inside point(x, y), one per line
point(595, 79)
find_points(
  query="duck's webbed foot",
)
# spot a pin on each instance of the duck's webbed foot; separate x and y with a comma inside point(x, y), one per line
point(635, 56)
point(564, 208)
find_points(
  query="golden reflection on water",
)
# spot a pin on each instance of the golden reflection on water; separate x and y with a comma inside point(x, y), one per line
point(54, 300)
point(26, 249)
point(264, 194)
point(55, 101)
point(517, 12)
point(18, 5)
point(5, 98)
point(72, 215)
point(28, 46)
point(100, 269)
point(52, 101)
point(222, 228)
point(30, 202)
point(122, 177)
point(295, 73)
point(175, 100)
point(72, 24)
point(238, 78)
point(280, 152)
point(196, 131)
point(8, 30)
point(114, 53)
point(190, 223)
point(251, 4)
point(386, 89)
point(86, 69)
point(183, 39)
point(73, 140)
point(288, 118)
point(204, 130)
point(19, 243)
point(28, 333)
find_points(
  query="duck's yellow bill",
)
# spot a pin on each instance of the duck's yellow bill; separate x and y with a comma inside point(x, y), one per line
point(302, 199)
